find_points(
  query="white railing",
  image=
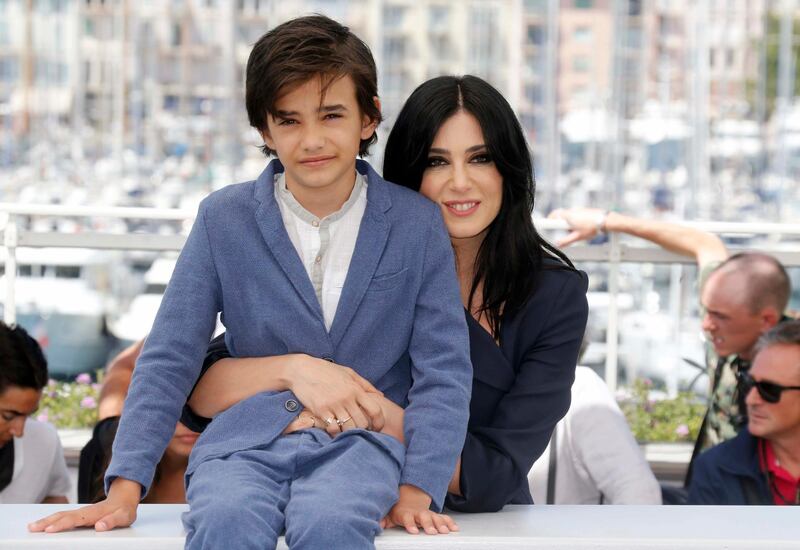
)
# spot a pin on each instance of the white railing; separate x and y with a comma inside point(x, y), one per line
point(614, 252)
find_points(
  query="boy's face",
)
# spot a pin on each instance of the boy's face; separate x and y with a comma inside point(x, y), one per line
point(317, 139)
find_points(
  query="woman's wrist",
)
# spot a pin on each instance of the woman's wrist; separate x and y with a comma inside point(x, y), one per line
point(288, 369)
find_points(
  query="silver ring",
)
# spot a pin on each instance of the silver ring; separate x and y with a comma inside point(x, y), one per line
point(340, 422)
point(328, 421)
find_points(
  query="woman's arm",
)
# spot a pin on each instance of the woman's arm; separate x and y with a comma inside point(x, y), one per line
point(117, 380)
point(230, 380)
point(498, 455)
point(326, 389)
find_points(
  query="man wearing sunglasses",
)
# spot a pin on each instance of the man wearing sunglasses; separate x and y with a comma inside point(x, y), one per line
point(761, 465)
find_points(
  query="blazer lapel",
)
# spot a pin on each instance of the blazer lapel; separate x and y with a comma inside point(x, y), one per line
point(372, 236)
point(270, 222)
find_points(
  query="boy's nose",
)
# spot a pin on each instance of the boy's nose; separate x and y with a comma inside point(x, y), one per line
point(313, 138)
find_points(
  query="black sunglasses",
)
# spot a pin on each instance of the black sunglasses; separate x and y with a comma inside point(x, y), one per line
point(769, 391)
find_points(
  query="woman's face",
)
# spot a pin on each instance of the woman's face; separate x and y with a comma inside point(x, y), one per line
point(462, 178)
point(182, 441)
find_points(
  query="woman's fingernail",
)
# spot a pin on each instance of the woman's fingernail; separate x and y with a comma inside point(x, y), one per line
point(102, 525)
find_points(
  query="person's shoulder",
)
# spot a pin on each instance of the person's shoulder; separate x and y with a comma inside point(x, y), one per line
point(40, 436)
point(403, 201)
point(230, 195)
point(557, 282)
point(723, 452)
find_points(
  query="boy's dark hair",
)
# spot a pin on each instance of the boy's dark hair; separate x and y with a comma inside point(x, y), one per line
point(22, 362)
point(303, 48)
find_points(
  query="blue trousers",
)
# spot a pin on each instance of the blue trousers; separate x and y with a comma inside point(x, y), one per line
point(324, 492)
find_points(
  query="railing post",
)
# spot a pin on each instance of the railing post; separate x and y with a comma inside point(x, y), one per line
point(10, 243)
point(612, 330)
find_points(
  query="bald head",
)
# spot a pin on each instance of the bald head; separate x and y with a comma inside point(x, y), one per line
point(762, 278)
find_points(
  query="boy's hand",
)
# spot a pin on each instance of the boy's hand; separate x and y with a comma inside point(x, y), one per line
point(412, 512)
point(117, 510)
point(334, 393)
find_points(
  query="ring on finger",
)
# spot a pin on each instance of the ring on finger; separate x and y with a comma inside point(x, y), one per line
point(328, 421)
point(341, 422)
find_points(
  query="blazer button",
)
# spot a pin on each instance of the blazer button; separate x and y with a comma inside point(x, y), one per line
point(290, 405)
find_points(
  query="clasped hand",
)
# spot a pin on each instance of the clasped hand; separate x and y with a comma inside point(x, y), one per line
point(335, 398)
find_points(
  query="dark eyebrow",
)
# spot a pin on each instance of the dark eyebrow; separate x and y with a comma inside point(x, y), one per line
point(472, 149)
point(17, 413)
point(323, 109)
point(332, 108)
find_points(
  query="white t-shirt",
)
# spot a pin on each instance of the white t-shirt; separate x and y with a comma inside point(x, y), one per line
point(596, 453)
point(39, 467)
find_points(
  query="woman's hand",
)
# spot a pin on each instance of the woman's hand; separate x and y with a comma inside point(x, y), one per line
point(117, 510)
point(338, 397)
point(412, 512)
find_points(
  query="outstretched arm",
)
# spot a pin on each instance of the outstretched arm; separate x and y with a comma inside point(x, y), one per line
point(586, 223)
point(117, 380)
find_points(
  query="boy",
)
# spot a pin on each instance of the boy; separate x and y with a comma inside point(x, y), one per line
point(310, 258)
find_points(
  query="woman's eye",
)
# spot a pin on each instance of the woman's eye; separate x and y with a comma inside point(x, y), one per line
point(481, 159)
point(331, 116)
point(436, 161)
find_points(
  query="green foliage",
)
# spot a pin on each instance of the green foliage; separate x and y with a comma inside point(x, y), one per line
point(70, 404)
point(663, 420)
point(772, 42)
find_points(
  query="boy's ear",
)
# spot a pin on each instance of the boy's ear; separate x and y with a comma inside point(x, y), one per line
point(368, 125)
point(267, 138)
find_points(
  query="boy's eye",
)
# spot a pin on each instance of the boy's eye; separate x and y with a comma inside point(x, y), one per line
point(286, 122)
point(435, 161)
point(331, 116)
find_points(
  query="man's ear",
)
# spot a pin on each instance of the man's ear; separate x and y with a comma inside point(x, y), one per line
point(368, 125)
point(769, 317)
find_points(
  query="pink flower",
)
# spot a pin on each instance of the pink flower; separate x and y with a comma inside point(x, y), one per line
point(88, 402)
point(42, 417)
point(83, 378)
point(682, 430)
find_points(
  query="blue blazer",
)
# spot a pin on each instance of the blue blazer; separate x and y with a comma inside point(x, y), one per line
point(399, 324)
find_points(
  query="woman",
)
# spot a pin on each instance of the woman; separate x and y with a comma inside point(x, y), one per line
point(168, 483)
point(458, 142)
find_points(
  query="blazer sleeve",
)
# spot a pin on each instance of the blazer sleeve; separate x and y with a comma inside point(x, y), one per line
point(497, 456)
point(170, 361)
point(436, 416)
point(217, 350)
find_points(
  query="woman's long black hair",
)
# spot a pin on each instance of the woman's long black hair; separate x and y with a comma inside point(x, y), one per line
point(512, 253)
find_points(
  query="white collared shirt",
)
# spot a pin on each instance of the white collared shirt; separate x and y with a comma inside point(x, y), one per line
point(325, 245)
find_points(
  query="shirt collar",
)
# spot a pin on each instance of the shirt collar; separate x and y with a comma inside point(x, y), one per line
point(283, 194)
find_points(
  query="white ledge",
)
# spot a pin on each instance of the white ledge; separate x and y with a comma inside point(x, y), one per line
point(541, 527)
